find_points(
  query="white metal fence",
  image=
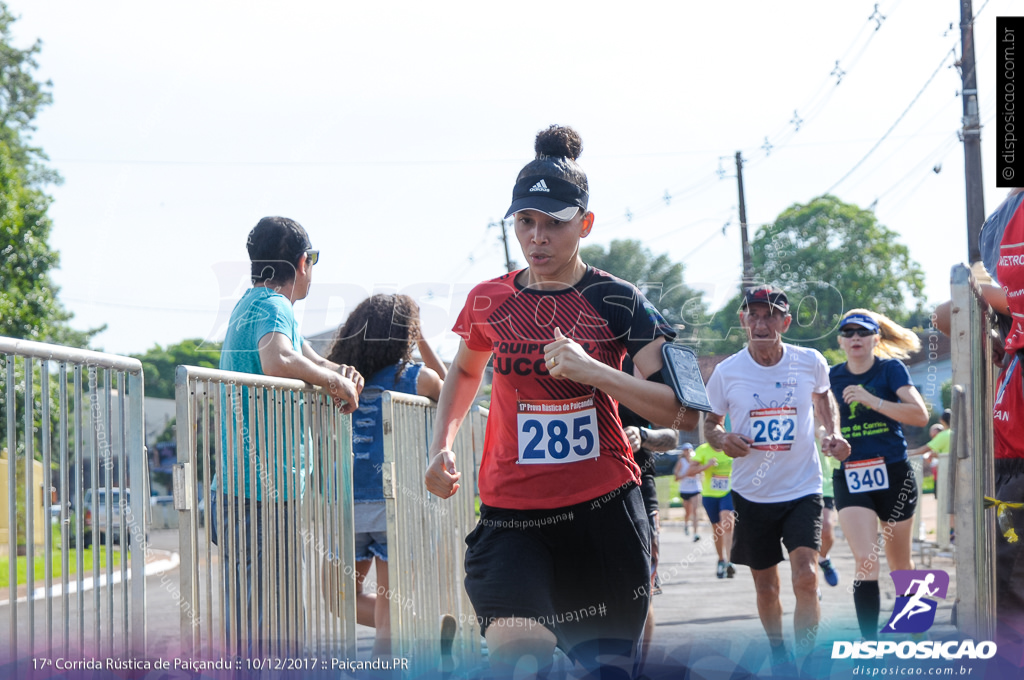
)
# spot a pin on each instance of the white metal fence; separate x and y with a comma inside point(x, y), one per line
point(426, 534)
point(971, 459)
point(73, 438)
point(276, 457)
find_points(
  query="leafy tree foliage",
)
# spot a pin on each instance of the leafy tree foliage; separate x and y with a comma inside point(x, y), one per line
point(829, 257)
point(657, 276)
point(159, 364)
point(28, 298)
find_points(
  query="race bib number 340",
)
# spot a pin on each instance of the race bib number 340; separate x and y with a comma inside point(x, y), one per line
point(866, 475)
point(557, 431)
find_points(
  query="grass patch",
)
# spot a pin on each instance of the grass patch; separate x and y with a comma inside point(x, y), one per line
point(39, 571)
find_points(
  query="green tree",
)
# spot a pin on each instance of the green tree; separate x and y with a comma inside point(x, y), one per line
point(29, 307)
point(159, 364)
point(829, 257)
point(657, 276)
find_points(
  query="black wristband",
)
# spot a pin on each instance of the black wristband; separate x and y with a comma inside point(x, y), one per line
point(643, 435)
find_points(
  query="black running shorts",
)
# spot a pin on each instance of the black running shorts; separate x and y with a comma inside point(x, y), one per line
point(582, 571)
point(763, 528)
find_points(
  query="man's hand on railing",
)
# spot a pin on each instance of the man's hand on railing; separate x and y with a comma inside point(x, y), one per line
point(442, 479)
point(345, 389)
point(352, 374)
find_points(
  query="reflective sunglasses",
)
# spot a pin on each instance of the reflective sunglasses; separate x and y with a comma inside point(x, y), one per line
point(859, 332)
point(313, 255)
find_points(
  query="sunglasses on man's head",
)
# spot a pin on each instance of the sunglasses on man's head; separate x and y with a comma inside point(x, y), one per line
point(313, 255)
point(859, 332)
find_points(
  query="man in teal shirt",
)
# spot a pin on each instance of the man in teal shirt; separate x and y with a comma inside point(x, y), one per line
point(263, 338)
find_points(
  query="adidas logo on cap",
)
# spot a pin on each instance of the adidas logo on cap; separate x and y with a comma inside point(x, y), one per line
point(540, 186)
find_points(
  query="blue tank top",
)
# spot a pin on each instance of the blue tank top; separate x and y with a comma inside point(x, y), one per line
point(368, 431)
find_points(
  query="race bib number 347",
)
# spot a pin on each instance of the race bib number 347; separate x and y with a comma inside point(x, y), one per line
point(557, 431)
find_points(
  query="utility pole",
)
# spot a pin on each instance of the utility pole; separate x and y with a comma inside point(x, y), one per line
point(510, 265)
point(748, 260)
point(971, 133)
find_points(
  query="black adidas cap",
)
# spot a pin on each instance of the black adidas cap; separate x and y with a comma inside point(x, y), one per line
point(550, 195)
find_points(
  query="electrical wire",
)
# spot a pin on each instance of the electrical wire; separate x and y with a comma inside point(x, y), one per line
point(893, 126)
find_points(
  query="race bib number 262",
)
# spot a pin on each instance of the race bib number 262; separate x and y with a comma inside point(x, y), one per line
point(552, 432)
point(773, 429)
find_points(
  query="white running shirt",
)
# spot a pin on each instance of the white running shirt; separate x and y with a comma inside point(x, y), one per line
point(772, 406)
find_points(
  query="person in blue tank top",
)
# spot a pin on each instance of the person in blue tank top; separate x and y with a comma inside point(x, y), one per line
point(378, 337)
point(875, 482)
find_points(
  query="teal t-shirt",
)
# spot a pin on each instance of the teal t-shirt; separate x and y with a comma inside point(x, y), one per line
point(260, 311)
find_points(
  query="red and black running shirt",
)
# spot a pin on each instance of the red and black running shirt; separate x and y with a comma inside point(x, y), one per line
point(554, 442)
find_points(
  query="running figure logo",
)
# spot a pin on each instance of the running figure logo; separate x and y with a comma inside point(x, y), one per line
point(914, 613)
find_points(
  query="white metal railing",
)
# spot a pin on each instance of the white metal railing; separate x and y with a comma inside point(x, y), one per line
point(280, 449)
point(78, 413)
point(426, 534)
point(971, 459)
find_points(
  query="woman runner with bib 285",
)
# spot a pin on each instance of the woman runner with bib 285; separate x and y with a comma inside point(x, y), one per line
point(875, 483)
point(561, 554)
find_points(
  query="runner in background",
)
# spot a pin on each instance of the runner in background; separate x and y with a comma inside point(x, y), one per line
point(645, 441)
point(828, 466)
point(876, 482)
point(561, 553)
point(715, 469)
point(689, 491)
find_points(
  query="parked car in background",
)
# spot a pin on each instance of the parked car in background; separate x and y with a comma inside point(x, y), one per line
point(116, 499)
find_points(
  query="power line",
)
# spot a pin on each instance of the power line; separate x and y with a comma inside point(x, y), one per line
point(893, 126)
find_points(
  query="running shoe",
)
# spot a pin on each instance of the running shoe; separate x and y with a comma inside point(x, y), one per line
point(720, 572)
point(686, 530)
point(696, 537)
point(819, 594)
point(831, 575)
point(730, 571)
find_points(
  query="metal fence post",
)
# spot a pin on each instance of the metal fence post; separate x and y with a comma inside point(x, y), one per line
point(48, 423)
point(972, 455)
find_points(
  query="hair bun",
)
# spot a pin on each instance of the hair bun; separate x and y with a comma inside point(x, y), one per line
point(558, 140)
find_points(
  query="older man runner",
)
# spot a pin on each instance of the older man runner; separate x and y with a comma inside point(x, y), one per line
point(772, 392)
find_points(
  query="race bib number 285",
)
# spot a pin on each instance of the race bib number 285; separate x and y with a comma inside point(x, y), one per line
point(557, 431)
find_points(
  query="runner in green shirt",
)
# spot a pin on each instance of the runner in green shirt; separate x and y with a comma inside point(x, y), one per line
point(828, 464)
point(715, 469)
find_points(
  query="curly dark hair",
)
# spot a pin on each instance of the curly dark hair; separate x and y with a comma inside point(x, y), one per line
point(380, 332)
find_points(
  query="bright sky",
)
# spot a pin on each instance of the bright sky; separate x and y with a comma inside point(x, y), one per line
point(394, 131)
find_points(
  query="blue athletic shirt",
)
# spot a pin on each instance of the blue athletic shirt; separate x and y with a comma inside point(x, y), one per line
point(871, 434)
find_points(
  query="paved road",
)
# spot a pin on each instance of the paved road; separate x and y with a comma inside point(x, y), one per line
point(696, 616)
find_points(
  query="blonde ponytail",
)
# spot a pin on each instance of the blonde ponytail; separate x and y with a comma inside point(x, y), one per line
point(896, 341)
